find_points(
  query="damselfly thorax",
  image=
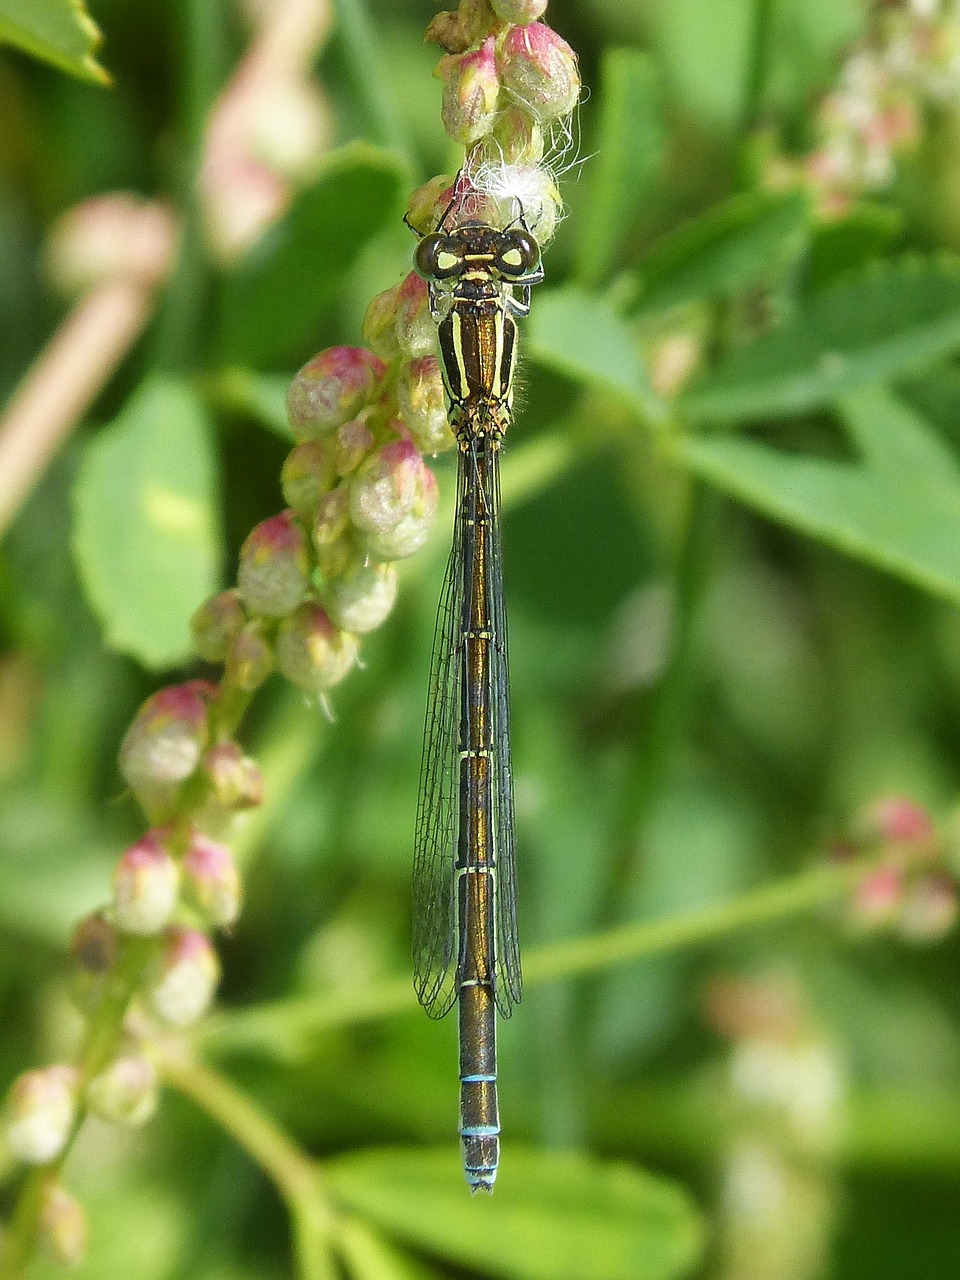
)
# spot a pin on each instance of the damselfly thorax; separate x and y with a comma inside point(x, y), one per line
point(479, 279)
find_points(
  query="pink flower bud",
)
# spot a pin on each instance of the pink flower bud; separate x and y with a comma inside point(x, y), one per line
point(895, 820)
point(876, 900)
point(428, 204)
point(470, 93)
point(125, 1091)
point(183, 978)
point(41, 1108)
point(109, 237)
point(311, 652)
point(250, 660)
point(393, 500)
point(380, 323)
point(308, 473)
point(274, 571)
point(145, 885)
point(539, 70)
point(360, 601)
point(94, 945)
point(164, 743)
point(62, 1226)
point(332, 388)
point(518, 12)
point(212, 879)
point(216, 623)
point(235, 778)
point(422, 403)
point(929, 908)
point(416, 331)
point(354, 442)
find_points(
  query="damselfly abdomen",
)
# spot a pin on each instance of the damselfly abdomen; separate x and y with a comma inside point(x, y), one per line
point(465, 944)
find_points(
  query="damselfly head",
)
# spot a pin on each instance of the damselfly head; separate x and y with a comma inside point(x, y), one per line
point(513, 255)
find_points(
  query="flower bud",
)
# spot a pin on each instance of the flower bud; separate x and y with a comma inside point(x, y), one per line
point(428, 204)
point(333, 517)
point(125, 1091)
point(354, 442)
point(94, 945)
point(876, 900)
point(250, 660)
point(468, 25)
point(360, 601)
point(235, 778)
point(517, 138)
point(311, 652)
point(525, 190)
point(40, 1111)
point(539, 70)
point(164, 743)
point(62, 1226)
point(416, 331)
point(274, 571)
point(180, 984)
point(471, 89)
point(212, 879)
point(288, 123)
point(393, 500)
point(216, 623)
point(110, 237)
point(422, 404)
point(519, 12)
point(896, 820)
point(332, 388)
point(929, 908)
point(145, 885)
point(308, 473)
point(380, 323)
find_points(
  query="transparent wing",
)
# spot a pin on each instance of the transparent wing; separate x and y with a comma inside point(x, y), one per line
point(435, 842)
point(508, 980)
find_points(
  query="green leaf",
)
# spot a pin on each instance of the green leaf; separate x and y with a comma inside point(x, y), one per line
point(58, 31)
point(553, 1216)
point(582, 336)
point(725, 249)
point(276, 298)
point(871, 326)
point(898, 510)
point(866, 231)
point(627, 152)
point(146, 539)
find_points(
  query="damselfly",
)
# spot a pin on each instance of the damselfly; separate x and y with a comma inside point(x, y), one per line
point(465, 944)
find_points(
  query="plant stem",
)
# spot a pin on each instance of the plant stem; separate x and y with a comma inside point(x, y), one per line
point(756, 81)
point(370, 78)
point(670, 712)
point(178, 332)
point(284, 1027)
point(101, 1037)
point(294, 1174)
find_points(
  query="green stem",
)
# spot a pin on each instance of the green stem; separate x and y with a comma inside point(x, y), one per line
point(103, 1032)
point(370, 78)
point(671, 706)
point(763, 14)
point(179, 332)
point(291, 1170)
point(285, 1027)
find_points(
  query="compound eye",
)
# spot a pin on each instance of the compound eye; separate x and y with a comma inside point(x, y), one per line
point(518, 254)
point(438, 257)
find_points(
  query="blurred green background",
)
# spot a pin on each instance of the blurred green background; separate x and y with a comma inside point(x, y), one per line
point(724, 646)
